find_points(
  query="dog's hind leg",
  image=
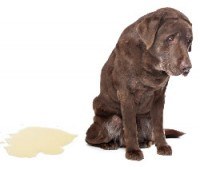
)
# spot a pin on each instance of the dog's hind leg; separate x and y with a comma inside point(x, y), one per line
point(105, 132)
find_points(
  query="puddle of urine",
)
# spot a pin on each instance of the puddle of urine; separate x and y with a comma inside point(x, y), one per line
point(30, 141)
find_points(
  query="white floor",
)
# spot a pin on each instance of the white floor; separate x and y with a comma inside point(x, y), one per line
point(79, 155)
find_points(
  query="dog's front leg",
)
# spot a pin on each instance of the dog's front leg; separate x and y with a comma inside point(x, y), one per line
point(157, 121)
point(128, 109)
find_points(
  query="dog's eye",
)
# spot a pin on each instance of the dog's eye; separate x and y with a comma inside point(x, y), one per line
point(171, 38)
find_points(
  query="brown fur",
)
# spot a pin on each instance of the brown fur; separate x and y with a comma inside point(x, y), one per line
point(129, 108)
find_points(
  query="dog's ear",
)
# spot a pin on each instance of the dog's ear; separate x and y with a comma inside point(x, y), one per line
point(190, 48)
point(147, 29)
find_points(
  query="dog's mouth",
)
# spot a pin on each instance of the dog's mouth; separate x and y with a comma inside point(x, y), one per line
point(185, 73)
point(177, 72)
point(171, 70)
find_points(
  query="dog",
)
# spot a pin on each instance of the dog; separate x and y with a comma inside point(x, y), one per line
point(129, 108)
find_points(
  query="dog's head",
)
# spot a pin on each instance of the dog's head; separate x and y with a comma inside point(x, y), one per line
point(167, 34)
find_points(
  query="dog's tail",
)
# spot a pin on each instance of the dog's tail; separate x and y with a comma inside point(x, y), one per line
point(171, 133)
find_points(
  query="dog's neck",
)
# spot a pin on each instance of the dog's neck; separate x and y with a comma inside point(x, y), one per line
point(147, 60)
point(151, 76)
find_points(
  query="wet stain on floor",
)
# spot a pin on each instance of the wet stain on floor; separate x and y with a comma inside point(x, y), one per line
point(30, 141)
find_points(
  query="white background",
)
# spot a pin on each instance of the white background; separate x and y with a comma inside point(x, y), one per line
point(51, 55)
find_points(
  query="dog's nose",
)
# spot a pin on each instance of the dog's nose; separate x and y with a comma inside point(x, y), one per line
point(185, 67)
point(186, 70)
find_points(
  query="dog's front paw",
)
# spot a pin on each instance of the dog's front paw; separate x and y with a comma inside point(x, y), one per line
point(134, 155)
point(164, 150)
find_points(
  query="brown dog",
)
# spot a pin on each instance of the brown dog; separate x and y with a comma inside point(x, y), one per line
point(129, 108)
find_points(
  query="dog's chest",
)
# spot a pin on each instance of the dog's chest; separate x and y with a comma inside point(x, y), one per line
point(144, 100)
point(143, 94)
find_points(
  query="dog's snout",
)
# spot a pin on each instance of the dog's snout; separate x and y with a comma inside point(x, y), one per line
point(185, 67)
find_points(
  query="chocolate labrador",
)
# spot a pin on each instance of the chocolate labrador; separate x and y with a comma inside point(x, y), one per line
point(129, 108)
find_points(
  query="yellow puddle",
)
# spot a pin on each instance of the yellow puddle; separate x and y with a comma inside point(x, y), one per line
point(33, 140)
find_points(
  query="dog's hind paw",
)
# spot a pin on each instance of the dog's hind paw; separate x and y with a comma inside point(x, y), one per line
point(109, 146)
point(164, 150)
